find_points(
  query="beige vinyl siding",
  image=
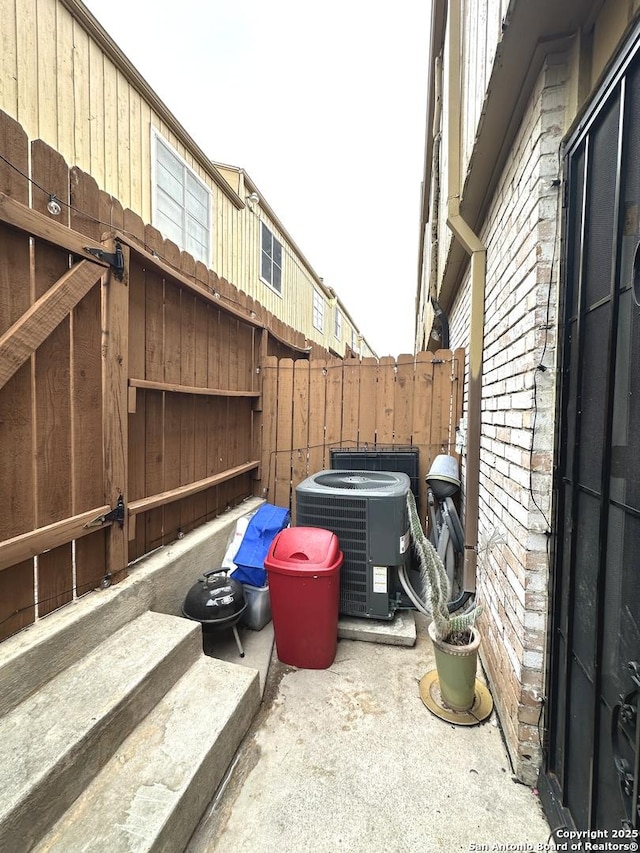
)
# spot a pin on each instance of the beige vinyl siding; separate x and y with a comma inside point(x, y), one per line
point(26, 57)
point(61, 86)
point(66, 84)
point(482, 28)
point(8, 70)
point(482, 31)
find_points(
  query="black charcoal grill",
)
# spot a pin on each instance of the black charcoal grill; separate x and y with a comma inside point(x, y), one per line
point(217, 602)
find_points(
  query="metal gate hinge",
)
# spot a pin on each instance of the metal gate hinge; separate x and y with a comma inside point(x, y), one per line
point(116, 514)
point(114, 259)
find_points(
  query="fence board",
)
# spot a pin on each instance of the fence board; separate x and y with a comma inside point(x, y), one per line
point(172, 405)
point(91, 561)
point(154, 467)
point(50, 170)
point(15, 147)
point(137, 318)
point(333, 411)
point(385, 400)
point(201, 346)
point(154, 326)
point(115, 371)
point(368, 401)
point(86, 409)
point(403, 400)
point(224, 348)
point(246, 356)
point(187, 459)
point(137, 471)
point(214, 443)
point(350, 433)
point(53, 426)
point(16, 454)
point(200, 457)
point(55, 581)
point(233, 380)
point(435, 422)
point(187, 404)
point(213, 364)
point(52, 411)
point(282, 483)
point(85, 210)
point(423, 400)
point(238, 437)
point(17, 594)
point(172, 333)
point(268, 426)
point(317, 414)
point(137, 419)
point(301, 418)
point(172, 462)
point(16, 423)
point(227, 423)
point(17, 607)
point(187, 339)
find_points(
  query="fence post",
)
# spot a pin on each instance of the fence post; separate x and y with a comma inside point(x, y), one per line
point(115, 373)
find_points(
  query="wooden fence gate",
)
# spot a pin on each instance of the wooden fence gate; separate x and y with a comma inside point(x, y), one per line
point(128, 384)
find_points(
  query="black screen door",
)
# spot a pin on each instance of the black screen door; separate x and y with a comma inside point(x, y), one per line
point(591, 775)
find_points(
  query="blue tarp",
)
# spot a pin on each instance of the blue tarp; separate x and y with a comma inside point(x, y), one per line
point(261, 531)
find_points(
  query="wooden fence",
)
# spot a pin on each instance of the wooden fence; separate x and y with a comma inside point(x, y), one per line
point(141, 395)
point(322, 405)
point(143, 389)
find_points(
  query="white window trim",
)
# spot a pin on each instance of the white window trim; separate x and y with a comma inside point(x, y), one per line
point(318, 295)
point(337, 328)
point(262, 279)
point(155, 136)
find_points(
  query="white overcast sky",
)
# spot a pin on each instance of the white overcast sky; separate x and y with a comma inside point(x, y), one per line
point(323, 104)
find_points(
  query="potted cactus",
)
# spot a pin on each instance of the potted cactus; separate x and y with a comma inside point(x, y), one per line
point(455, 638)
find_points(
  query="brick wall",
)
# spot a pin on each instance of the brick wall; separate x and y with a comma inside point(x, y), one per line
point(520, 232)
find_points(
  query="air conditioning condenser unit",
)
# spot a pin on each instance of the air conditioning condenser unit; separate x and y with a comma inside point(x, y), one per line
point(367, 510)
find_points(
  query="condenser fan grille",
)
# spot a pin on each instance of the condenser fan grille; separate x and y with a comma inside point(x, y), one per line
point(367, 510)
point(349, 522)
point(367, 480)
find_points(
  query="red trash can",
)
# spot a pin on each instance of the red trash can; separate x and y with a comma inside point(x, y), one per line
point(303, 566)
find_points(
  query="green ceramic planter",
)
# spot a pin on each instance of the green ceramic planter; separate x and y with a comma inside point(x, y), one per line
point(456, 666)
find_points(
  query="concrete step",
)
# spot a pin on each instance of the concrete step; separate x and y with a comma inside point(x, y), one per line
point(43, 650)
point(157, 582)
point(152, 793)
point(54, 743)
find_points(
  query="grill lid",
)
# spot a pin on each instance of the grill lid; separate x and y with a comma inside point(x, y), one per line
point(215, 598)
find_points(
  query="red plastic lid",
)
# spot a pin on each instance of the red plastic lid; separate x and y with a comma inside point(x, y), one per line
point(303, 550)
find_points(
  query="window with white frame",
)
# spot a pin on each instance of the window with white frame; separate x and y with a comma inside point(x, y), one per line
point(337, 323)
point(318, 311)
point(182, 208)
point(270, 259)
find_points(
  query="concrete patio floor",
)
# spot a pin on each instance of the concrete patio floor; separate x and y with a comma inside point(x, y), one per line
point(350, 759)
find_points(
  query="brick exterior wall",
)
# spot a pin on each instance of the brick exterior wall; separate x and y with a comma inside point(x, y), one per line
point(518, 410)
